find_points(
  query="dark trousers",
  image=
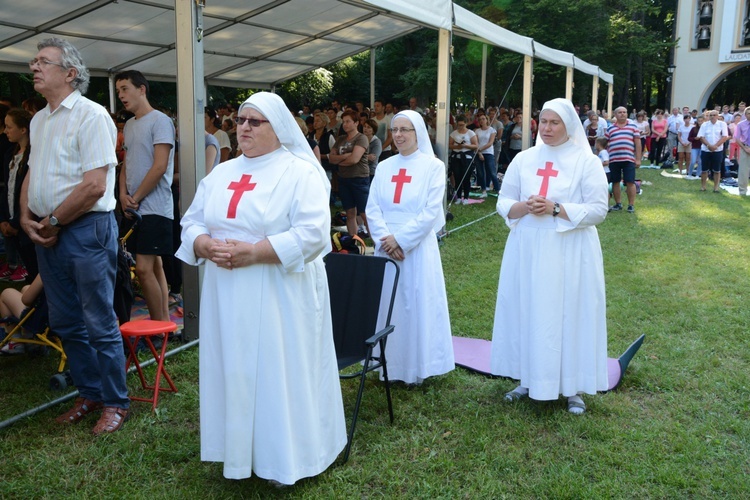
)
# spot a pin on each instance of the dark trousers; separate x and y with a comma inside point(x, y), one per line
point(656, 154)
point(462, 167)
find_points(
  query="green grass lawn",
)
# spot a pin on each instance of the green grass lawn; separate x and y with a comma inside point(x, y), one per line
point(676, 270)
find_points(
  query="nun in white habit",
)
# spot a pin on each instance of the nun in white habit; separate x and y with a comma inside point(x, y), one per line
point(270, 398)
point(550, 320)
point(405, 210)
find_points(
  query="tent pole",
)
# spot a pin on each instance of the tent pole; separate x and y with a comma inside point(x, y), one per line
point(483, 91)
point(595, 93)
point(442, 123)
point(112, 95)
point(528, 79)
point(443, 94)
point(191, 100)
point(569, 83)
point(372, 78)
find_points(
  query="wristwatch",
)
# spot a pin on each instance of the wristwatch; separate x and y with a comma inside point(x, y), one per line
point(54, 222)
point(556, 210)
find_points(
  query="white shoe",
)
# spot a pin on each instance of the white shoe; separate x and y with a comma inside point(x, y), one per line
point(483, 195)
point(13, 348)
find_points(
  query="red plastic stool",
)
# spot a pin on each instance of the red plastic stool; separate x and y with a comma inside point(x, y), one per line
point(132, 332)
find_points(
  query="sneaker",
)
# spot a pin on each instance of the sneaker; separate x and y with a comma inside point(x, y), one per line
point(18, 274)
point(174, 298)
point(616, 207)
point(13, 348)
point(631, 209)
point(461, 201)
point(5, 271)
point(483, 195)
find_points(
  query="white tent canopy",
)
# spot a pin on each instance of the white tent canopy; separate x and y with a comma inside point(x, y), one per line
point(554, 56)
point(248, 44)
point(469, 25)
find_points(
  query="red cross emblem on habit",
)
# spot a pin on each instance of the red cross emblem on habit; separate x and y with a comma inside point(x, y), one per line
point(546, 173)
point(400, 180)
point(239, 189)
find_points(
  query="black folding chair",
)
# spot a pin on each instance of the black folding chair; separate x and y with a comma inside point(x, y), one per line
point(356, 288)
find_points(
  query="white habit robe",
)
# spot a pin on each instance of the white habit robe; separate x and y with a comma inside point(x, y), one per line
point(270, 397)
point(550, 320)
point(420, 345)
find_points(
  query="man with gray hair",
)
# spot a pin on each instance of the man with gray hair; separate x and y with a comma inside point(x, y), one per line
point(67, 201)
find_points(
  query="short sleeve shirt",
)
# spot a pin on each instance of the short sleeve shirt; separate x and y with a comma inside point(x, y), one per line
point(77, 137)
point(141, 135)
point(712, 132)
point(344, 146)
point(622, 142)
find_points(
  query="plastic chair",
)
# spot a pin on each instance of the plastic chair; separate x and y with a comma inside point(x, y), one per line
point(356, 287)
point(145, 329)
point(35, 320)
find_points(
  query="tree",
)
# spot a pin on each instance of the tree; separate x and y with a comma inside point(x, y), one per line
point(629, 38)
point(307, 90)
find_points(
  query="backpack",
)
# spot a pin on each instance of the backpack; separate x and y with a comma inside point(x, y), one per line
point(344, 243)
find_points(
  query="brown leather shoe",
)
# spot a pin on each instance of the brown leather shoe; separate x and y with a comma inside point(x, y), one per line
point(111, 420)
point(81, 408)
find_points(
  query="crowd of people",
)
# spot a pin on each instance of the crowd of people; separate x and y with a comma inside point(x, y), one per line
point(260, 223)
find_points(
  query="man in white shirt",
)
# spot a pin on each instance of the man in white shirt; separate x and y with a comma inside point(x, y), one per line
point(67, 203)
point(712, 134)
point(673, 124)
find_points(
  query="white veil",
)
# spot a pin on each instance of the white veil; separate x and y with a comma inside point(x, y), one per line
point(423, 139)
point(285, 127)
point(573, 125)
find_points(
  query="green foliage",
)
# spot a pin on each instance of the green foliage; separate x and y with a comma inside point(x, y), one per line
point(219, 95)
point(313, 88)
point(629, 38)
point(351, 79)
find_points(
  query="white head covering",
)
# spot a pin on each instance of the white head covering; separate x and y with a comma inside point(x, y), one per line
point(423, 139)
point(425, 146)
point(573, 125)
point(286, 129)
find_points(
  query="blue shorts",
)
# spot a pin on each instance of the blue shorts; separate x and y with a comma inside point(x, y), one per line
point(622, 171)
point(353, 192)
point(712, 160)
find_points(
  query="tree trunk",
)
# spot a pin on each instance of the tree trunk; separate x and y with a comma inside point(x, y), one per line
point(638, 93)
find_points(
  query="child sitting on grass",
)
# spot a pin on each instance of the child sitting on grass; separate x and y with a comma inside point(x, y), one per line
point(13, 303)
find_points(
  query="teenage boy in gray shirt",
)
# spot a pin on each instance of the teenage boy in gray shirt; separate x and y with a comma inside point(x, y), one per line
point(145, 186)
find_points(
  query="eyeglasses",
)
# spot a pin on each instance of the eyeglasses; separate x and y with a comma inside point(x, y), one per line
point(401, 130)
point(253, 122)
point(43, 62)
